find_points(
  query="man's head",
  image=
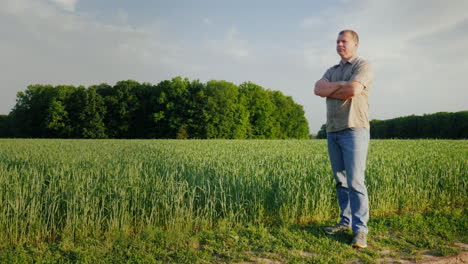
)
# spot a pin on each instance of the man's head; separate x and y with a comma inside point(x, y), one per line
point(347, 44)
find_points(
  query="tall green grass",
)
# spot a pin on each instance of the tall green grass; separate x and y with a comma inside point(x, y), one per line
point(72, 189)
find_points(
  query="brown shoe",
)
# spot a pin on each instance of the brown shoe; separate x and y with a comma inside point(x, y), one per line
point(331, 230)
point(359, 240)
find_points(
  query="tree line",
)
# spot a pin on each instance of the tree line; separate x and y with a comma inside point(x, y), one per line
point(177, 108)
point(447, 125)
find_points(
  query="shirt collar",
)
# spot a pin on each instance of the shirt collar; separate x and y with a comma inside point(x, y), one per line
point(350, 61)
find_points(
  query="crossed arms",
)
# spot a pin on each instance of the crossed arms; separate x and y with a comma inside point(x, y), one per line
point(339, 90)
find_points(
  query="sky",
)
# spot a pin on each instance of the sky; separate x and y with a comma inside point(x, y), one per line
point(418, 48)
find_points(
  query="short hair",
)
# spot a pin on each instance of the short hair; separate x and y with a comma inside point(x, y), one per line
point(352, 32)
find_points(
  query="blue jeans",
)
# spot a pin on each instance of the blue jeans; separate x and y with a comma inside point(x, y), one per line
point(348, 153)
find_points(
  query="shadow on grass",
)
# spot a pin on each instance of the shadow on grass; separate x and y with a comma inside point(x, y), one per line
point(318, 231)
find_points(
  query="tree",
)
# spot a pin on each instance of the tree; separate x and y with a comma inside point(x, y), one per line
point(437, 125)
point(121, 104)
point(173, 107)
point(5, 126)
point(261, 109)
point(226, 116)
point(298, 126)
point(56, 120)
point(37, 113)
point(322, 133)
point(86, 114)
point(176, 108)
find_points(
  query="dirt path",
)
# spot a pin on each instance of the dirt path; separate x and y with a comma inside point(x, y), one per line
point(461, 258)
point(430, 259)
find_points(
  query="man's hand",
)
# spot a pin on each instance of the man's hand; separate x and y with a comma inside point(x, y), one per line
point(347, 91)
point(322, 82)
point(325, 88)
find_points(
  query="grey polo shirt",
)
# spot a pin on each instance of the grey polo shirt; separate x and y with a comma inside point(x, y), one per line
point(354, 112)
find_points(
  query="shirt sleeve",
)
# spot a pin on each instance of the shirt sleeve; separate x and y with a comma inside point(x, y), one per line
point(328, 74)
point(364, 74)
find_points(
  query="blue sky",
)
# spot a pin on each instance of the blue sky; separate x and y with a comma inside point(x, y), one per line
point(417, 48)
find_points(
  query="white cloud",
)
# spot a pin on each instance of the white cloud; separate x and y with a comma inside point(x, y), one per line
point(41, 44)
point(207, 21)
point(311, 22)
point(235, 46)
point(121, 15)
point(68, 5)
point(411, 45)
point(417, 49)
point(231, 45)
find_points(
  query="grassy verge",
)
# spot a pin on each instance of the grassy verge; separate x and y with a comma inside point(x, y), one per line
point(399, 237)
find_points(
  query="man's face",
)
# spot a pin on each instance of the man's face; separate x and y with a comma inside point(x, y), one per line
point(345, 45)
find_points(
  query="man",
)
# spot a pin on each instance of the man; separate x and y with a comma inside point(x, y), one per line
point(346, 88)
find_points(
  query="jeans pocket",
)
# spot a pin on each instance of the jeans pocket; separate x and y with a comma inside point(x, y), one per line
point(356, 129)
point(359, 133)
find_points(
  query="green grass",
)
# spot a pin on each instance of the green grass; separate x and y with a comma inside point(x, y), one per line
point(405, 236)
point(134, 201)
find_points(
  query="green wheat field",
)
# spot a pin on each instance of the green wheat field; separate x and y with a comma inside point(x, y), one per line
point(204, 201)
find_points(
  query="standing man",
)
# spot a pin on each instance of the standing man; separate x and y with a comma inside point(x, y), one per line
point(346, 87)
